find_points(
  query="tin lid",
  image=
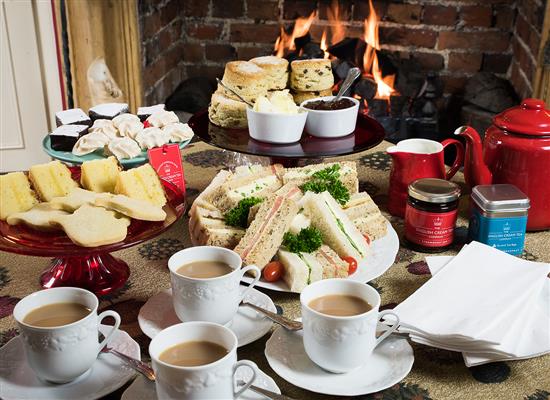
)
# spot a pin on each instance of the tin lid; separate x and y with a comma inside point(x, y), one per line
point(434, 190)
point(502, 197)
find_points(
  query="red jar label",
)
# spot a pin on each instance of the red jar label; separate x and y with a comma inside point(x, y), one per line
point(429, 229)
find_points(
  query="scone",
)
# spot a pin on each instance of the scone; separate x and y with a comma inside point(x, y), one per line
point(92, 226)
point(100, 175)
point(141, 183)
point(40, 217)
point(133, 208)
point(300, 97)
point(51, 180)
point(311, 75)
point(16, 194)
point(246, 78)
point(226, 112)
point(277, 71)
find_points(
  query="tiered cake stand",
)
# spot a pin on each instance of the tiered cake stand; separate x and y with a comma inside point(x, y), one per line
point(368, 133)
point(92, 268)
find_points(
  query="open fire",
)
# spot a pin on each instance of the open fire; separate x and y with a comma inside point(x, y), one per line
point(286, 44)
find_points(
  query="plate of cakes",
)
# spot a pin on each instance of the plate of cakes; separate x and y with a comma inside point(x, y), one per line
point(53, 209)
point(298, 225)
point(275, 122)
point(111, 130)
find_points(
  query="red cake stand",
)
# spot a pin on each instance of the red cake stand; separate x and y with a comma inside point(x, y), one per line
point(368, 133)
point(92, 268)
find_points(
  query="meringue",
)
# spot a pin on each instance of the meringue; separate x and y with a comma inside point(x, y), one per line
point(130, 128)
point(104, 126)
point(152, 137)
point(162, 118)
point(123, 148)
point(91, 142)
point(178, 132)
point(123, 118)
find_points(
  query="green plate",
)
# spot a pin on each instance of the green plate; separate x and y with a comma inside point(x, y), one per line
point(69, 157)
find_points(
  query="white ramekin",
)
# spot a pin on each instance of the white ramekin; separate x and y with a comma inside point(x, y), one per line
point(276, 128)
point(331, 123)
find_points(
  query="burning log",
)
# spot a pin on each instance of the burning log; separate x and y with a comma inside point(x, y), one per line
point(302, 41)
point(312, 50)
point(366, 88)
point(349, 49)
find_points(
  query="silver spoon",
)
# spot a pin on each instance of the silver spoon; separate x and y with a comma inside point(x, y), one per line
point(291, 325)
point(232, 91)
point(352, 75)
point(279, 319)
point(137, 365)
point(265, 392)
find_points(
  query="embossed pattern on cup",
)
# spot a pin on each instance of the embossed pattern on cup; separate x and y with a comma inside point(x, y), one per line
point(61, 354)
point(210, 381)
point(341, 343)
point(209, 299)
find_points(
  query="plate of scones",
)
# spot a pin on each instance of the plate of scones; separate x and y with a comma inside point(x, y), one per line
point(298, 225)
point(276, 90)
point(111, 130)
point(56, 210)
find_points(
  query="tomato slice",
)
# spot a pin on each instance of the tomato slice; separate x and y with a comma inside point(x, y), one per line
point(146, 124)
point(273, 271)
point(352, 264)
point(367, 238)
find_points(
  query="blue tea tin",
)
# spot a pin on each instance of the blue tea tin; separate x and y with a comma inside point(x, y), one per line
point(499, 217)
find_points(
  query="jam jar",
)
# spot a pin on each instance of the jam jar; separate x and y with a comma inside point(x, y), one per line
point(430, 215)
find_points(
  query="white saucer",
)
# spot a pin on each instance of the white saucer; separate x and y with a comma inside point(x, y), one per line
point(389, 364)
point(249, 325)
point(17, 380)
point(381, 257)
point(144, 389)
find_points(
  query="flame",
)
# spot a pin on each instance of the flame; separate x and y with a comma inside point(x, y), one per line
point(338, 31)
point(285, 41)
point(324, 46)
point(370, 60)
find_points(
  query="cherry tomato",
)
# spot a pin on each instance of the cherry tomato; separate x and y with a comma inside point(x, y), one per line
point(146, 124)
point(273, 271)
point(352, 264)
point(367, 238)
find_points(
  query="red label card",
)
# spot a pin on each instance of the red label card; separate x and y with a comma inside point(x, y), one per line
point(166, 160)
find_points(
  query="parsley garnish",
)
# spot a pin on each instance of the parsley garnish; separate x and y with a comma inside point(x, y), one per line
point(238, 215)
point(328, 180)
point(307, 241)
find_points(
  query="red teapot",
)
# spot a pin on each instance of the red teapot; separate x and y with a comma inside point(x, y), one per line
point(516, 150)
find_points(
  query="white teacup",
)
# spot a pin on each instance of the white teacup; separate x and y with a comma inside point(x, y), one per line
point(341, 344)
point(210, 299)
point(211, 381)
point(63, 353)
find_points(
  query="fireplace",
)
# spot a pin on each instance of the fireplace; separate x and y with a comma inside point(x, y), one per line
point(438, 61)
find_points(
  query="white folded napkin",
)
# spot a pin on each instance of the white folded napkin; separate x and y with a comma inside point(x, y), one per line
point(470, 301)
point(528, 336)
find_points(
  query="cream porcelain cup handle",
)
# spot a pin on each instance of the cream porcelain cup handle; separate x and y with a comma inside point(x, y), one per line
point(252, 366)
point(256, 279)
point(392, 328)
point(111, 334)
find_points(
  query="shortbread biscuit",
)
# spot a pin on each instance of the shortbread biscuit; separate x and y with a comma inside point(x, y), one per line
point(133, 208)
point(300, 97)
point(92, 226)
point(40, 217)
point(226, 112)
point(74, 200)
point(246, 78)
point(277, 71)
point(311, 75)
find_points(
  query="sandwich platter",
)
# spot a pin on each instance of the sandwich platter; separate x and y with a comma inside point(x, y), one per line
point(381, 257)
point(294, 225)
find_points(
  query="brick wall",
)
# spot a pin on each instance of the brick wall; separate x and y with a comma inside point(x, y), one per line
point(456, 38)
point(526, 44)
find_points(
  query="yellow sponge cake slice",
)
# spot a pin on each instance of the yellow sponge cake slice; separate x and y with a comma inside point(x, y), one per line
point(51, 180)
point(16, 194)
point(100, 175)
point(141, 183)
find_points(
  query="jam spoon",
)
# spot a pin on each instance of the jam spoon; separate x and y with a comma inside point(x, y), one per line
point(352, 75)
point(235, 93)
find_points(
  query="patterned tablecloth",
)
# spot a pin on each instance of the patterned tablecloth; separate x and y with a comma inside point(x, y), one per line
point(436, 374)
